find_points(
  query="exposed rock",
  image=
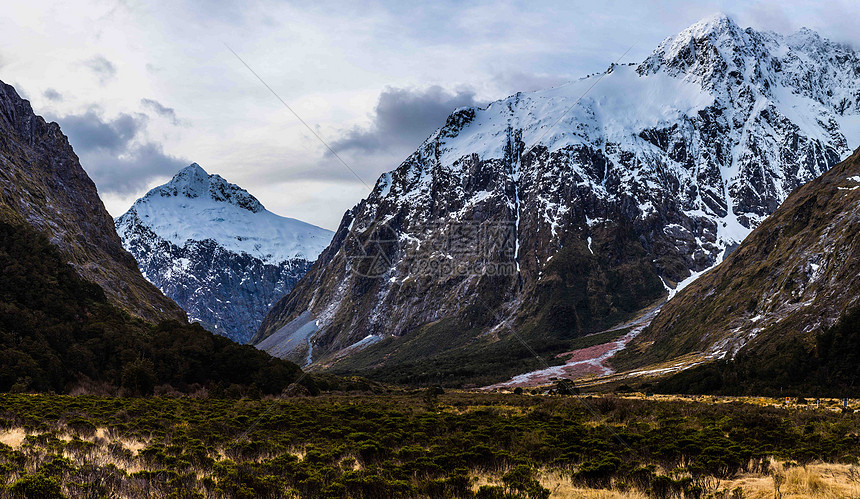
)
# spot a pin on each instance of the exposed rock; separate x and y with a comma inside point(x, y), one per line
point(42, 180)
point(793, 277)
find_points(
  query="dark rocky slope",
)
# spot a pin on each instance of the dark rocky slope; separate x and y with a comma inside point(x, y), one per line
point(59, 333)
point(42, 180)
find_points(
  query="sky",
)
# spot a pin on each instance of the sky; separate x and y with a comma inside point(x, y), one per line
point(144, 88)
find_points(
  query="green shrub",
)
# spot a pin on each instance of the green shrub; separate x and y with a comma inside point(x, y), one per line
point(37, 486)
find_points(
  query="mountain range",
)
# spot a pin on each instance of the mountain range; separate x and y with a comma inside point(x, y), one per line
point(692, 216)
point(76, 315)
point(214, 249)
point(550, 215)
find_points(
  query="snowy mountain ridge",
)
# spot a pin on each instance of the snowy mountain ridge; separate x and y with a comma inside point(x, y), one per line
point(197, 206)
point(658, 172)
point(212, 247)
point(712, 64)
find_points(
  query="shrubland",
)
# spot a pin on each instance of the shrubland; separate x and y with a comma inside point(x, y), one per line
point(413, 444)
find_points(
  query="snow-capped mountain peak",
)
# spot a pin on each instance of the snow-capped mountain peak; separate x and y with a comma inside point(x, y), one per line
point(196, 206)
point(193, 182)
point(717, 25)
point(656, 174)
point(212, 246)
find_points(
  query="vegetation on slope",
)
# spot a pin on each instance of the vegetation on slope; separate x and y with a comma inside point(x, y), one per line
point(798, 270)
point(437, 355)
point(580, 293)
point(42, 180)
point(828, 366)
point(59, 332)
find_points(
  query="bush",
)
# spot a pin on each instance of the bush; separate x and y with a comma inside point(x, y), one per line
point(37, 486)
point(598, 472)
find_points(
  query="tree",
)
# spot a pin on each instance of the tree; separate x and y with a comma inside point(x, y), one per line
point(138, 377)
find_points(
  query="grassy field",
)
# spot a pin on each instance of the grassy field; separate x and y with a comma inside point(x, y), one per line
point(424, 444)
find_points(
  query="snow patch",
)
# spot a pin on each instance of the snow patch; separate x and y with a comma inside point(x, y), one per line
point(195, 206)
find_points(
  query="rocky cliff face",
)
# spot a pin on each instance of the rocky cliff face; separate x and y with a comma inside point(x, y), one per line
point(42, 180)
point(212, 247)
point(792, 278)
point(556, 215)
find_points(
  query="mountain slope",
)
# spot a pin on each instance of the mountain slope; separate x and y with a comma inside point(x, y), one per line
point(557, 216)
point(213, 248)
point(59, 333)
point(42, 180)
point(790, 280)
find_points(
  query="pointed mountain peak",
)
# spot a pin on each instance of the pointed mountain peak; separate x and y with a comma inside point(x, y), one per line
point(718, 22)
point(712, 42)
point(194, 182)
point(716, 27)
point(193, 170)
point(191, 181)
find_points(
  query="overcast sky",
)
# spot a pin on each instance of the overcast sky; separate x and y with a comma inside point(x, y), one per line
point(144, 88)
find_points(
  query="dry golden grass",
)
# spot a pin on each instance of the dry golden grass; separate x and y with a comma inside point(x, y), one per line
point(561, 487)
point(13, 437)
point(815, 481)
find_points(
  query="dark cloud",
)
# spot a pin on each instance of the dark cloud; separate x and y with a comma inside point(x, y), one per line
point(89, 131)
point(401, 120)
point(52, 95)
point(404, 117)
point(133, 170)
point(115, 152)
point(161, 110)
point(103, 68)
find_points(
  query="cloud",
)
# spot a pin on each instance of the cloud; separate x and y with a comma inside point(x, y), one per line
point(103, 68)
point(520, 81)
point(161, 110)
point(131, 171)
point(404, 117)
point(89, 131)
point(52, 95)
point(115, 152)
point(400, 121)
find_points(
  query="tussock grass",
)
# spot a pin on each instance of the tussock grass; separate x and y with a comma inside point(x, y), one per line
point(408, 445)
point(13, 437)
point(813, 481)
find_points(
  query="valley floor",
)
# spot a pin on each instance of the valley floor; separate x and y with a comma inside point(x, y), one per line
point(426, 444)
point(585, 363)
